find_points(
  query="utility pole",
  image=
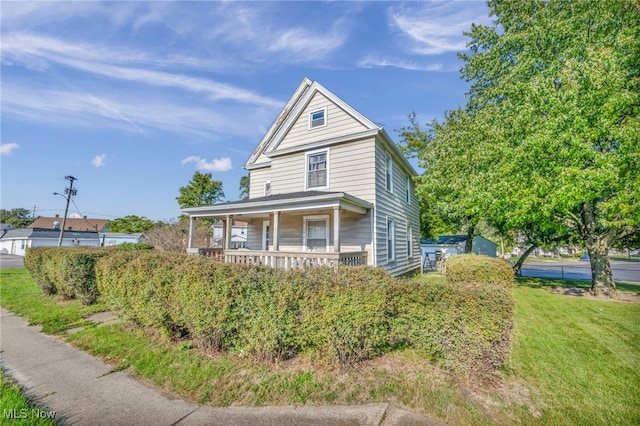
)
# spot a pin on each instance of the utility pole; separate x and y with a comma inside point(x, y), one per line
point(69, 193)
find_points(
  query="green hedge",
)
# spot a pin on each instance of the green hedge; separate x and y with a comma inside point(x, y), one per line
point(468, 268)
point(35, 261)
point(347, 317)
point(68, 271)
point(343, 317)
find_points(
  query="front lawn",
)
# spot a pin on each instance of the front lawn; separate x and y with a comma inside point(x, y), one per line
point(574, 361)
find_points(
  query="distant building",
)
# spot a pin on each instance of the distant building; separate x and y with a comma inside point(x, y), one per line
point(16, 241)
point(72, 223)
point(450, 245)
point(238, 235)
point(108, 239)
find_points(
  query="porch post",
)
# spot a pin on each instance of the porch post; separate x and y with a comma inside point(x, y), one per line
point(191, 232)
point(336, 229)
point(227, 232)
point(276, 231)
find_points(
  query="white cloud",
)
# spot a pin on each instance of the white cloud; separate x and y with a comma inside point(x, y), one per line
point(308, 45)
point(375, 62)
point(7, 148)
point(222, 164)
point(98, 160)
point(127, 111)
point(437, 27)
point(37, 52)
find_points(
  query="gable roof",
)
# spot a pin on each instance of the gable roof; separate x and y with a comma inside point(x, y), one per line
point(75, 224)
point(291, 112)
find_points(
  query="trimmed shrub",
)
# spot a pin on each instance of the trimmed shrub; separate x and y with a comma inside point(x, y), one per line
point(151, 277)
point(114, 285)
point(269, 314)
point(131, 247)
point(464, 327)
point(205, 296)
point(68, 271)
point(35, 261)
point(468, 268)
point(77, 273)
point(347, 319)
point(347, 316)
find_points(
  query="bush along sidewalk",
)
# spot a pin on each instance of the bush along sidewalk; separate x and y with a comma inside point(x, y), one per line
point(342, 317)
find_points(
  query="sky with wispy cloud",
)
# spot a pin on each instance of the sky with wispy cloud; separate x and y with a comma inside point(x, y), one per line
point(132, 98)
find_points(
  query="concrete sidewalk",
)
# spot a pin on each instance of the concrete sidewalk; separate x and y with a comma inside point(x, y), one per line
point(82, 390)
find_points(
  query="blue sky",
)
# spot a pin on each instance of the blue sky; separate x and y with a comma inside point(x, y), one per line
point(132, 98)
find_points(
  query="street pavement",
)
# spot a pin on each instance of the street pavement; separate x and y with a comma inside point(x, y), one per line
point(11, 261)
point(628, 271)
point(79, 389)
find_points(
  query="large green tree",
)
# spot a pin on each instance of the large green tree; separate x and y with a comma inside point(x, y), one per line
point(555, 109)
point(202, 190)
point(130, 223)
point(244, 187)
point(454, 186)
point(18, 218)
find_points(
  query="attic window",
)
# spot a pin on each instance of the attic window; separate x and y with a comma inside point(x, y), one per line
point(318, 118)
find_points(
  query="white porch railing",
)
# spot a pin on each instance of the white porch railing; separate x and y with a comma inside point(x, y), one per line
point(294, 260)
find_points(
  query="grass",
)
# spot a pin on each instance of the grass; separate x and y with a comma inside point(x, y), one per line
point(580, 356)
point(20, 294)
point(17, 409)
point(574, 361)
point(560, 283)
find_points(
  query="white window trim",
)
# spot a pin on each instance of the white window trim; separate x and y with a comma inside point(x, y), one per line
point(306, 169)
point(408, 190)
point(267, 182)
point(388, 172)
point(391, 256)
point(304, 229)
point(409, 242)
point(324, 110)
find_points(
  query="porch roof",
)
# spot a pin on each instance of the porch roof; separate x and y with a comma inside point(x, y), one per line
point(304, 200)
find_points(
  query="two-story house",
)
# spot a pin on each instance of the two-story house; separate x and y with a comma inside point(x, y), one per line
point(327, 187)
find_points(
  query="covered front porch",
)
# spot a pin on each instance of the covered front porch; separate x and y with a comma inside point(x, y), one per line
point(293, 231)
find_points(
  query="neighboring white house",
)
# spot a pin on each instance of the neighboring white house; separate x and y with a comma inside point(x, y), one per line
point(16, 241)
point(450, 245)
point(238, 235)
point(327, 186)
point(108, 239)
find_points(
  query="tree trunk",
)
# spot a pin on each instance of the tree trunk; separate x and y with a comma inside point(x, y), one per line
point(523, 257)
point(468, 246)
point(598, 248)
point(602, 281)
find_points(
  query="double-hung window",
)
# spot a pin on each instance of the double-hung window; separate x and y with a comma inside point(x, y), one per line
point(267, 188)
point(391, 237)
point(409, 242)
point(317, 169)
point(389, 173)
point(316, 233)
point(408, 190)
